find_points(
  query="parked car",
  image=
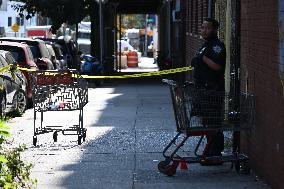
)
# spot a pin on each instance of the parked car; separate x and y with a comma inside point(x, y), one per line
point(52, 57)
point(39, 51)
point(69, 50)
point(24, 58)
point(59, 55)
point(13, 87)
point(57, 52)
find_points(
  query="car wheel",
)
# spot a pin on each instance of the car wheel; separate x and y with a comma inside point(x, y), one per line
point(20, 102)
point(3, 106)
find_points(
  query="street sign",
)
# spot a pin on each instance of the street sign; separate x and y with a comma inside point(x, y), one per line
point(15, 27)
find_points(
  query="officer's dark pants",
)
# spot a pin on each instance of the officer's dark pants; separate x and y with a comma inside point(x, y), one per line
point(215, 144)
point(208, 104)
point(213, 117)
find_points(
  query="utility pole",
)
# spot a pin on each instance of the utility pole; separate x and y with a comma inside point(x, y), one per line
point(146, 36)
point(101, 32)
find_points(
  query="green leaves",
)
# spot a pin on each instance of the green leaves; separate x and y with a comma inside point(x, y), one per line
point(3, 159)
point(59, 11)
point(14, 172)
point(4, 130)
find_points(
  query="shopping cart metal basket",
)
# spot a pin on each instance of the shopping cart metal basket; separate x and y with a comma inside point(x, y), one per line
point(58, 91)
point(199, 113)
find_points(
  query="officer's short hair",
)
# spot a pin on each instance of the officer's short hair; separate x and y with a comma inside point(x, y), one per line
point(214, 22)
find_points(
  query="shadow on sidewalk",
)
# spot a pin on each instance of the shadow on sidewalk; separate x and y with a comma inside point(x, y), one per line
point(129, 123)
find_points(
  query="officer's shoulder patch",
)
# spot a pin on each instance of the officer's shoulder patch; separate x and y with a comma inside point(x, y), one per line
point(217, 49)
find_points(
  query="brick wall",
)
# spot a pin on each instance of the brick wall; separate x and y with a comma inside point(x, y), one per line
point(196, 12)
point(259, 74)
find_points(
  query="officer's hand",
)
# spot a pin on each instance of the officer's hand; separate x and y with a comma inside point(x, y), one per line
point(211, 64)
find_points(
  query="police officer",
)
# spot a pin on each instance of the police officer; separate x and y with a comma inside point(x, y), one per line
point(209, 69)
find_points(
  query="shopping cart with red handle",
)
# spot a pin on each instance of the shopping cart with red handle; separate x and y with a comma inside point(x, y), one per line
point(55, 91)
point(199, 113)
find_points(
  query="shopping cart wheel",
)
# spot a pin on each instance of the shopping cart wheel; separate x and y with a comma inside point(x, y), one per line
point(162, 165)
point(34, 140)
point(170, 170)
point(237, 166)
point(84, 136)
point(79, 139)
point(244, 168)
point(55, 134)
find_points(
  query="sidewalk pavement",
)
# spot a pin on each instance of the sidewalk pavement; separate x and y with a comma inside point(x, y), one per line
point(128, 127)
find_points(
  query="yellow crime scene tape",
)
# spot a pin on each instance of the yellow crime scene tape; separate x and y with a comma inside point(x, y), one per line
point(5, 68)
point(149, 74)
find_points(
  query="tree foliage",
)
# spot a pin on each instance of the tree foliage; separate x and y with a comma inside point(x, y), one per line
point(130, 21)
point(14, 172)
point(63, 11)
point(59, 11)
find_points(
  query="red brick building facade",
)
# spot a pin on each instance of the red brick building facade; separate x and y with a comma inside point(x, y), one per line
point(195, 13)
point(255, 47)
point(260, 75)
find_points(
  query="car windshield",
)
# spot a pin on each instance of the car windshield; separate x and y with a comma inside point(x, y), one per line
point(35, 51)
point(18, 53)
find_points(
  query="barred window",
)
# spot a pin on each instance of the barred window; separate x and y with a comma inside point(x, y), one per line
point(197, 12)
point(18, 21)
point(9, 21)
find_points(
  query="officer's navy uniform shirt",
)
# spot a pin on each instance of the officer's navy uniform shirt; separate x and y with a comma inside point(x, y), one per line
point(215, 50)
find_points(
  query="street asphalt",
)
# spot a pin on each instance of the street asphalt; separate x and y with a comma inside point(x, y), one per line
point(128, 125)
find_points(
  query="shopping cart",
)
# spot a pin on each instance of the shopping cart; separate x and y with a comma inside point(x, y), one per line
point(59, 91)
point(199, 113)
